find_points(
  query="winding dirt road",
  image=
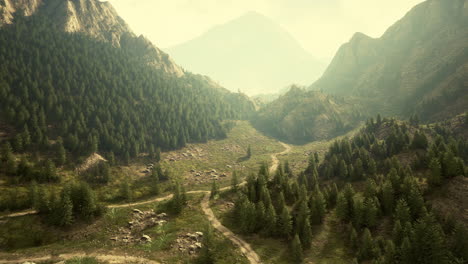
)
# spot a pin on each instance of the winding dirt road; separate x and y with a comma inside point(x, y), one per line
point(245, 247)
point(108, 258)
point(275, 159)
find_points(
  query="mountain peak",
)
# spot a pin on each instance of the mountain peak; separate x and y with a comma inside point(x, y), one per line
point(252, 53)
point(94, 18)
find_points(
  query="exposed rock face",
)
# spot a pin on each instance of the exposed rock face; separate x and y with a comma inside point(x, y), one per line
point(419, 59)
point(95, 19)
point(9, 7)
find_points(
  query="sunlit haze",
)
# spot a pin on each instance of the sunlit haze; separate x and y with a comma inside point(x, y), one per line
point(321, 26)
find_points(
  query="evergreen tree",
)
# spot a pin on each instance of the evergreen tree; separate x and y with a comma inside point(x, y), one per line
point(207, 255)
point(269, 225)
point(435, 177)
point(65, 209)
point(402, 212)
point(234, 182)
point(284, 223)
point(429, 245)
point(397, 233)
point(249, 152)
point(296, 250)
point(406, 251)
point(459, 242)
point(388, 197)
point(126, 192)
point(317, 207)
point(353, 239)
point(365, 249)
point(214, 190)
point(155, 190)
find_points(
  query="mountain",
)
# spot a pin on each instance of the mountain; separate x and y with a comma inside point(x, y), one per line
point(251, 53)
point(73, 75)
point(96, 19)
point(302, 116)
point(419, 65)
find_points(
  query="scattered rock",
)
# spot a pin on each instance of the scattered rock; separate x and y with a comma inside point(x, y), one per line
point(190, 242)
point(146, 239)
point(141, 220)
point(137, 211)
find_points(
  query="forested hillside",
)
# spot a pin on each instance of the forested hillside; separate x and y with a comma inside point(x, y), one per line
point(378, 190)
point(417, 66)
point(301, 116)
point(57, 87)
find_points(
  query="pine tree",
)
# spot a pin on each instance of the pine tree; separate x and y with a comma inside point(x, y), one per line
point(270, 221)
point(388, 197)
point(177, 200)
point(317, 207)
point(126, 192)
point(397, 233)
point(406, 251)
point(214, 190)
point(61, 154)
point(157, 155)
point(435, 177)
point(33, 195)
point(234, 182)
point(155, 190)
point(353, 239)
point(249, 152)
point(65, 209)
point(429, 244)
point(208, 247)
point(365, 250)
point(459, 242)
point(284, 223)
point(296, 250)
point(402, 212)
point(306, 234)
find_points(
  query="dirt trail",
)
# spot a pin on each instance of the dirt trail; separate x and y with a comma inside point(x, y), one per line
point(108, 258)
point(275, 159)
point(245, 247)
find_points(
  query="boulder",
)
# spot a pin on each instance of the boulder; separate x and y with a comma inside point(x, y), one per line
point(146, 238)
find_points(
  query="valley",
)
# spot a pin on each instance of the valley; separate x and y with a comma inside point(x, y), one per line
point(112, 152)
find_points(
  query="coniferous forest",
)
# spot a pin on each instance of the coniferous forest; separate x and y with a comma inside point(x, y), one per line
point(90, 96)
point(111, 152)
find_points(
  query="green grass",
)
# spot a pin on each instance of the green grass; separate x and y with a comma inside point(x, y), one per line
point(298, 157)
point(83, 260)
point(218, 154)
point(97, 239)
point(328, 244)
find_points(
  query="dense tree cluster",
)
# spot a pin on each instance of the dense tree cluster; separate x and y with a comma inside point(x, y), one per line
point(392, 191)
point(24, 170)
point(285, 206)
point(75, 202)
point(100, 98)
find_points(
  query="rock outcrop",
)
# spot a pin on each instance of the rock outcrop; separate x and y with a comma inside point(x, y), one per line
point(96, 19)
point(420, 63)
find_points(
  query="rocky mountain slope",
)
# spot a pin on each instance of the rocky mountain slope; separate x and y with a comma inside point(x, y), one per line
point(419, 65)
point(96, 19)
point(251, 53)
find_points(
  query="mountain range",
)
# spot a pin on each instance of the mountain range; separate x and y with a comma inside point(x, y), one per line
point(419, 65)
point(251, 53)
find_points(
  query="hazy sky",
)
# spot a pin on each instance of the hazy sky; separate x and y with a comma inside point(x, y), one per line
point(321, 26)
